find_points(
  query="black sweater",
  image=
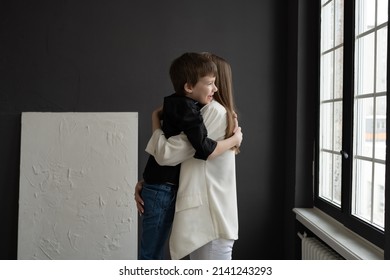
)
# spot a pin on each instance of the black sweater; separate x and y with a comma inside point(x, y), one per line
point(180, 114)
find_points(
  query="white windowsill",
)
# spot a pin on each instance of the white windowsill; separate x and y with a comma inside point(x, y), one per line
point(345, 242)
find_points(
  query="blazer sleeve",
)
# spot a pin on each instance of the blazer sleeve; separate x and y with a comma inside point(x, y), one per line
point(172, 151)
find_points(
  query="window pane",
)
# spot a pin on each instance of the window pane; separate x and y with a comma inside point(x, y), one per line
point(338, 83)
point(362, 192)
point(381, 58)
point(380, 128)
point(364, 63)
point(365, 15)
point(379, 195)
point(338, 126)
point(337, 179)
point(327, 23)
point(326, 175)
point(339, 22)
point(382, 11)
point(326, 76)
point(364, 127)
point(326, 127)
point(330, 178)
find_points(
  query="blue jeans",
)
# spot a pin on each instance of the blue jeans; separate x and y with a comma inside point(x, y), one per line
point(159, 206)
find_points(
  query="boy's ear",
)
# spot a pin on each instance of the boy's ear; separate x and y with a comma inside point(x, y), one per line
point(188, 88)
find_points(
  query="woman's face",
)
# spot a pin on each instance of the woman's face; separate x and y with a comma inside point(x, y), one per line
point(203, 91)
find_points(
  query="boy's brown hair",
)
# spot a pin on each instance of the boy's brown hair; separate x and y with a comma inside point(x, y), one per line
point(189, 68)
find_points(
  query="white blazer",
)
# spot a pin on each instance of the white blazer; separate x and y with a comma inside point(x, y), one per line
point(206, 204)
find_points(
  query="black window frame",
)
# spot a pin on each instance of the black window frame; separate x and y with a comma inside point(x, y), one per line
point(343, 214)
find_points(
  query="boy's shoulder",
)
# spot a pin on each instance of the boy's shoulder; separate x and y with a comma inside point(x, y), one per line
point(178, 97)
point(179, 100)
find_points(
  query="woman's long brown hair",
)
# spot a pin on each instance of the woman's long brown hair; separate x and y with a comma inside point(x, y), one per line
point(224, 96)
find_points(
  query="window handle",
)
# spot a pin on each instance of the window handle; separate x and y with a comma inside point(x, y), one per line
point(344, 154)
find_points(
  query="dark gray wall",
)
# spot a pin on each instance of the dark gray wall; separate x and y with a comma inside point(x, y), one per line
point(303, 32)
point(106, 55)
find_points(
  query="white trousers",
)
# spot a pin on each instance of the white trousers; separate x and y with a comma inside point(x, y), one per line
point(218, 249)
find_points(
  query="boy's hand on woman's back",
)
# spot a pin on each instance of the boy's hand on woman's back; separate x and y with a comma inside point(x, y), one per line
point(138, 198)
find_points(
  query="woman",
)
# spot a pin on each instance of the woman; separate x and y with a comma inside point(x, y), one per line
point(206, 221)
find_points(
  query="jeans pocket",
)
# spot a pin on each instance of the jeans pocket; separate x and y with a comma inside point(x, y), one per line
point(188, 201)
point(149, 196)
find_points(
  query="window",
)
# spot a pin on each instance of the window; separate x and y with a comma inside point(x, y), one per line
point(370, 111)
point(352, 114)
point(331, 100)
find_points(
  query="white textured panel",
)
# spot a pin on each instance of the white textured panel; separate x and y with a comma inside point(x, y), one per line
point(77, 176)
